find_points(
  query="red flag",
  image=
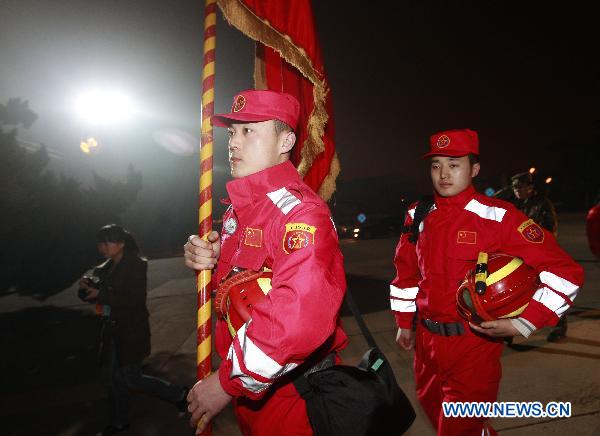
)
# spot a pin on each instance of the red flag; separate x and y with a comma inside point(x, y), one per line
point(288, 58)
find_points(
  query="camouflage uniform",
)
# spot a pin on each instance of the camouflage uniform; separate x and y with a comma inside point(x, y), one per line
point(540, 209)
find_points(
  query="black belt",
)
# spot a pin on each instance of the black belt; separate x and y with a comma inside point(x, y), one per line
point(444, 328)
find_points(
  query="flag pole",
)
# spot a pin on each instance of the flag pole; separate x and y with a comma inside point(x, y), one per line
point(203, 278)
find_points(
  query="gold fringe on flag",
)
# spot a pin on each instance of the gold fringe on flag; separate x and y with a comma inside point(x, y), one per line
point(260, 30)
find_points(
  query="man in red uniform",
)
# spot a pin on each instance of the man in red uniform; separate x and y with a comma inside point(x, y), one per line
point(275, 221)
point(455, 360)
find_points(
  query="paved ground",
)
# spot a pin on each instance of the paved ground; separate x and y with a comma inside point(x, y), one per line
point(49, 375)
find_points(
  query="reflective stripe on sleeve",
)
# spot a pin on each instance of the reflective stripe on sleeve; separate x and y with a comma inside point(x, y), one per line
point(559, 284)
point(255, 369)
point(551, 300)
point(403, 305)
point(404, 293)
point(557, 295)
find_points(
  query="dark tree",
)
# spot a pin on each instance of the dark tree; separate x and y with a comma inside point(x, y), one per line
point(48, 222)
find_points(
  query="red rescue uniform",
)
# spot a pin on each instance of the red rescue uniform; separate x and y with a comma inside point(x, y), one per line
point(467, 367)
point(276, 221)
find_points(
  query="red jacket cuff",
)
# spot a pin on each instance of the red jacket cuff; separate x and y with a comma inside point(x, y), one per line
point(539, 315)
point(227, 383)
point(404, 319)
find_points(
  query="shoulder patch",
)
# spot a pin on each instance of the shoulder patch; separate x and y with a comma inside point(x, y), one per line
point(531, 232)
point(298, 236)
point(284, 200)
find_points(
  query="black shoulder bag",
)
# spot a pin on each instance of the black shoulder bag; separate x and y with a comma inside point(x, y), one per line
point(356, 400)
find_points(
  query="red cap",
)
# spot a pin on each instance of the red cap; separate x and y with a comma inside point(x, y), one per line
point(455, 143)
point(260, 105)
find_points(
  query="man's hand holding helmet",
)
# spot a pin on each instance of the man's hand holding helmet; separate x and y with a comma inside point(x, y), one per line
point(497, 289)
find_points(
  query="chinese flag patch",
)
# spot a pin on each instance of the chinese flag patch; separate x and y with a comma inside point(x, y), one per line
point(466, 237)
point(298, 236)
point(531, 232)
point(253, 237)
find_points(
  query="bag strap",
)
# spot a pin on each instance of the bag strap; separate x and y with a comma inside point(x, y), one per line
point(300, 380)
point(359, 319)
point(423, 208)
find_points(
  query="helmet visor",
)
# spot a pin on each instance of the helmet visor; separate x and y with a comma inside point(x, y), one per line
point(465, 306)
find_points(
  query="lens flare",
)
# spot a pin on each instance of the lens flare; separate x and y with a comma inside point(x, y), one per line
point(176, 141)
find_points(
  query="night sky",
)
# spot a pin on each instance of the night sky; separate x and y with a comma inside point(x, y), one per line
point(526, 75)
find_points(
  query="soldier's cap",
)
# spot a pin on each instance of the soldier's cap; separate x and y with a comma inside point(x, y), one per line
point(453, 143)
point(521, 179)
point(260, 105)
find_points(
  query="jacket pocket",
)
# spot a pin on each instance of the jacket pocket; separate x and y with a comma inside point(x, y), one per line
point(464, 252)
point(461, 259)
point(249, 258)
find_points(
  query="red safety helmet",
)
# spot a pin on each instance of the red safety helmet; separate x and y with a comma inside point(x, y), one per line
point(237, 295)
point(502, 290)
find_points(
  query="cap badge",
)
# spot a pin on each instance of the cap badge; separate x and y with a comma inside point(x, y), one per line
point(239, 103)
point(442, 141)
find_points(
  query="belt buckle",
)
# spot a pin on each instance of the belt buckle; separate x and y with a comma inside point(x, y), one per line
point(433, 326)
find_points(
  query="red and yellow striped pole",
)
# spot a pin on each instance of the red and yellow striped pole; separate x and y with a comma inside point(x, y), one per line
point(206, 167)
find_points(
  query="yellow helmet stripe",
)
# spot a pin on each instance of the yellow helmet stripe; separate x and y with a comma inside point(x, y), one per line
point(504, 271)
point(516, 312)
point(265, 284)
point(232, 331)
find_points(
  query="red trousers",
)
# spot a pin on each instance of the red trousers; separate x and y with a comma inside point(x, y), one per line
point(456, 368)
point(280, 412)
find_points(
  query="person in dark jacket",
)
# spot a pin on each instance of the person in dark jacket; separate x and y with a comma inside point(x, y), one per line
point(118, 286)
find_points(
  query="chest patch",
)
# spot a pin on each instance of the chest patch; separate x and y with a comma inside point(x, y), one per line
point(298, 236)
point(466, 237)
point(253, 237)
point(531, 232)
point(230, 226)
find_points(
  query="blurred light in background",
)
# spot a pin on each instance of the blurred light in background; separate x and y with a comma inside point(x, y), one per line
point(549, 180)
point(89, 146)
point(104, 106)
point(531, 170)
point(176, 141)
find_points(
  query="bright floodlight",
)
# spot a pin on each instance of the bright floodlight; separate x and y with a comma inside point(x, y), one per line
point(104, 106)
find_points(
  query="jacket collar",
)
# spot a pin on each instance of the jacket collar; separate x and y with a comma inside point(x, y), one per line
point(253, 188)
point(458, 200)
